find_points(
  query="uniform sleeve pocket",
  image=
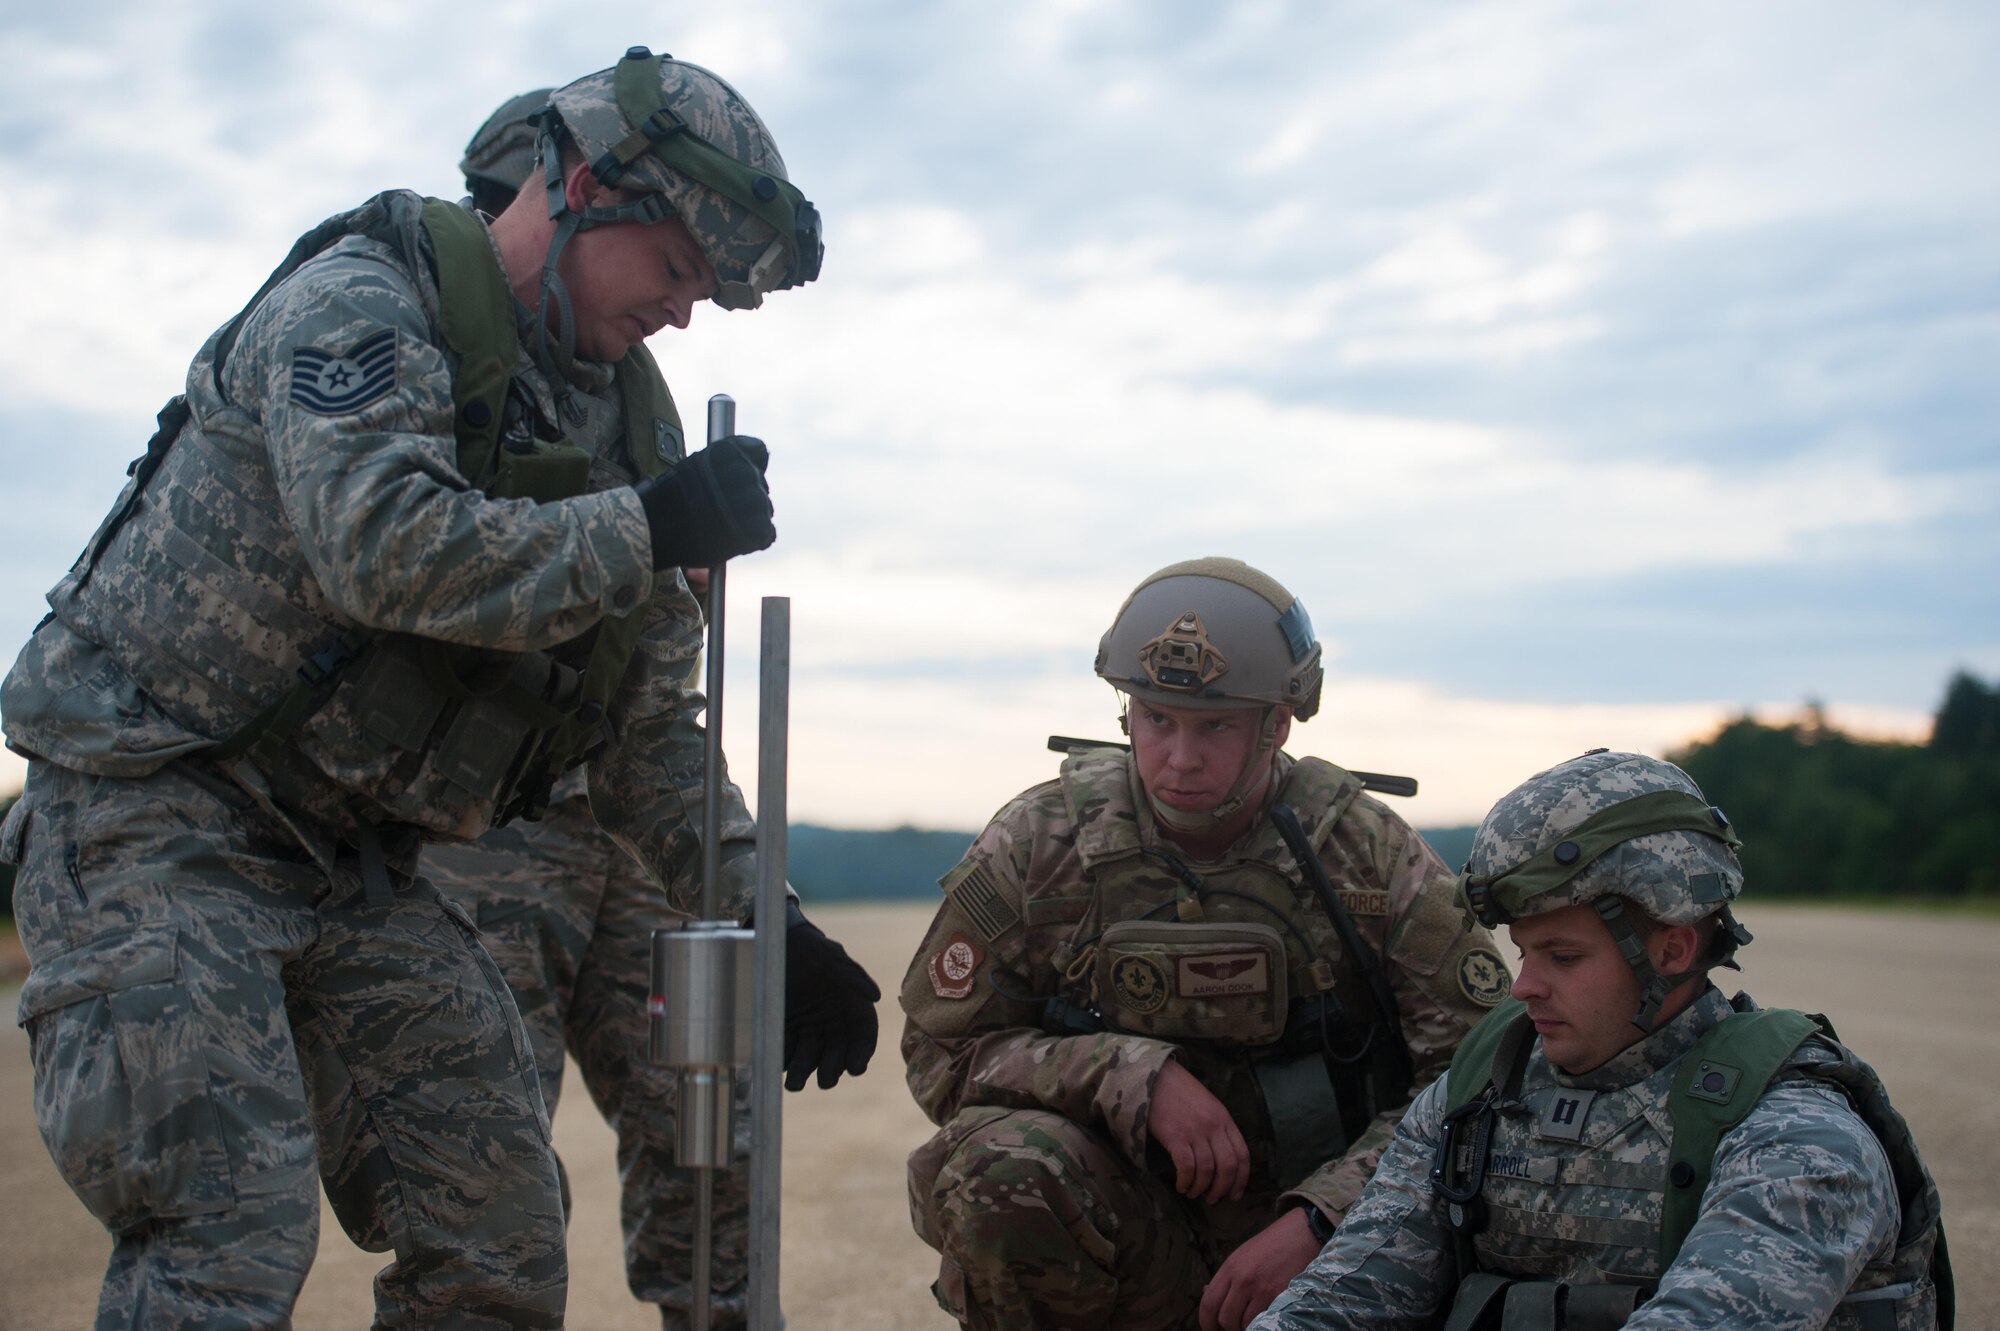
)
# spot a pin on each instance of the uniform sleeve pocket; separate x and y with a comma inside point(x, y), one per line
point(1429, 932)
point(122, 1091)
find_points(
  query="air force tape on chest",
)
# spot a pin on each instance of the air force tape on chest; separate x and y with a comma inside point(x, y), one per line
point(976, 892)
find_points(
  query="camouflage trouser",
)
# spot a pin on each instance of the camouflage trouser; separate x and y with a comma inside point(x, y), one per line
point(569, 917)
point(218, 1026)
point(1041, 1222)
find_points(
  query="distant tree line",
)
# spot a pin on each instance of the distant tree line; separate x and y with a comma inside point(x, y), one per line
point(841, 864)
point(1822, 813)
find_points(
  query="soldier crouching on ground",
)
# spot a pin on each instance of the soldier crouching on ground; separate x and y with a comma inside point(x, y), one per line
point(1620, 1145)
point(1161, 1068)
point(404, 553)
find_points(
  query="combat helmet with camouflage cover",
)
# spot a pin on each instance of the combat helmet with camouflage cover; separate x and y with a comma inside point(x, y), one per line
point(501, 155)
point(1616, 832)
point(683, 140)
point(1215, 633)
point(677, 141)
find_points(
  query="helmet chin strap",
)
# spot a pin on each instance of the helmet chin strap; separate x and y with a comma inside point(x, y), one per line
point(557, 358)
point(1656, 987)
point(1250, 781)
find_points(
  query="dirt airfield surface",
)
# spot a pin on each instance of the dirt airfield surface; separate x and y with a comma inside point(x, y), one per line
point(1912, 992)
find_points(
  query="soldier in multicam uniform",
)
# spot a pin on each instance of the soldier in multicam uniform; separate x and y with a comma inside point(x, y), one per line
point(404, 553)
point(1161, 1069)
point(567, 914)
point(1619, 1144)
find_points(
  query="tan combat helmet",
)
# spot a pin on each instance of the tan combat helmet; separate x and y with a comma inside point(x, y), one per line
point(1215, 633)
point(1611, 831)
point(501, 155)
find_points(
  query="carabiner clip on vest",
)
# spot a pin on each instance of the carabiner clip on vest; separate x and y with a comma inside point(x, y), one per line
point(1458, 1169)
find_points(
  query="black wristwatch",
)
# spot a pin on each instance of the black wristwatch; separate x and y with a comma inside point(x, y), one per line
point(1317, 1224)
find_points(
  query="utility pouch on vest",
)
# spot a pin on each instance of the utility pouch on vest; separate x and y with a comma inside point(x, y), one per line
point(1199, 981)
point(396, 706)
point(481, 751)
point(544, 474)
point(1489, 1302)
point(1304, 1109)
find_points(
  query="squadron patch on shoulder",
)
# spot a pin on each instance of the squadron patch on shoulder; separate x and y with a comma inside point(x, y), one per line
point(973, 887)
point(1483, 977)
point(331, 384)
point(954, 968)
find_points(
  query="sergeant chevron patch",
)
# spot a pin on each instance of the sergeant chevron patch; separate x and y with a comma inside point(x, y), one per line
point(338, 385)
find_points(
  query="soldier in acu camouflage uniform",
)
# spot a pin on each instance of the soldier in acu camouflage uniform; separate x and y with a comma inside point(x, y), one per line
point(1620, 1145)
point(1161, 1069)
point(501, 156)
point(568, 916)
point(404, 552)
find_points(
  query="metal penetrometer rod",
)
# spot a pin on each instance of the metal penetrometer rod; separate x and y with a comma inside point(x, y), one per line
point(768, 1043)
point(721, 424)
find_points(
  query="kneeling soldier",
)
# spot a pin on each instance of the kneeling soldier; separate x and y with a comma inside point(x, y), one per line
point(1165, 1048)
point(1620, 1145)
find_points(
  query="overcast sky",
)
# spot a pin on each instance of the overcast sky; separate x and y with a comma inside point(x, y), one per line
point(1593, 372)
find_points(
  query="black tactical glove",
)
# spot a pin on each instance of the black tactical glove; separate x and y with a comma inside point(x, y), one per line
point(712, 507)
point(829, 1006)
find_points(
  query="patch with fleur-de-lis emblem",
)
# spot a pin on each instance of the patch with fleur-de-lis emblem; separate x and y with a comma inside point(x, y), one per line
point(1483, 977)
point(1141, 984)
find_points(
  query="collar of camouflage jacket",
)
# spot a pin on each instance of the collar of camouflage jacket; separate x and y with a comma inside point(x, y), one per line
point(1663, 1047)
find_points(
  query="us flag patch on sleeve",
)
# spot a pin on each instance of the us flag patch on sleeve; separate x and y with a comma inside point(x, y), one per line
point(972, 888)
point(339, 385)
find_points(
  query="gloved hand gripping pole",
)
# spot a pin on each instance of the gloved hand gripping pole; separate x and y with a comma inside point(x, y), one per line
point(703, 976)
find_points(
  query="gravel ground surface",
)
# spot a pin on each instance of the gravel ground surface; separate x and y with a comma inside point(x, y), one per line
point(1903, 989)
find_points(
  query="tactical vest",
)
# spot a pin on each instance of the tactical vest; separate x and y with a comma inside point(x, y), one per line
point(1235, 961)
point(1505, 1205)
point(447, 738)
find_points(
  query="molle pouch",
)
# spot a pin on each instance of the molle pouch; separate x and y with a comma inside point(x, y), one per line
point(1487, 1301)
point(550, 472)
point(478, 750)
point(394, 701)
point(1200, 981)
point(1304, 1110)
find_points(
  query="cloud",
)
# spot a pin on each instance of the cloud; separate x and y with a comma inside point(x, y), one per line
point(1561, 357)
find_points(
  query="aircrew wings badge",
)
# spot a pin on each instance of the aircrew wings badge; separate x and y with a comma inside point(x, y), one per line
point(340, 384)
point(954, 968)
